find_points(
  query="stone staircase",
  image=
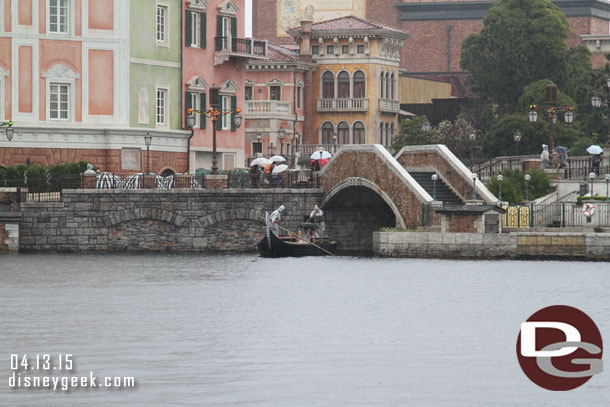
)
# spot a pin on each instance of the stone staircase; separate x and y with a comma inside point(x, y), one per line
point(443, 192)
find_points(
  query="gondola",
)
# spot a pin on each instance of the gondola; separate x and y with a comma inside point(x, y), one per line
point(274, 246)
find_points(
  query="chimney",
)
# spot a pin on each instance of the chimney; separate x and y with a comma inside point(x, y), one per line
point(306, 37)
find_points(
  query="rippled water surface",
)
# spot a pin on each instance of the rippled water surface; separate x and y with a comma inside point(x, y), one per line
point(241, 330)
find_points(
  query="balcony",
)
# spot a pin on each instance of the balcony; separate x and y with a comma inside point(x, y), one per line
point(343, 105)
point(389, 106)
point(247, 48)
point(267, 108)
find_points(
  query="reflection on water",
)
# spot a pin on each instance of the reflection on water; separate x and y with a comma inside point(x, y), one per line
point(242, 330)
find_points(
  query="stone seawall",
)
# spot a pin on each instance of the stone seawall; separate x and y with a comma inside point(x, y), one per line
point(158, 220)
point(518, 245)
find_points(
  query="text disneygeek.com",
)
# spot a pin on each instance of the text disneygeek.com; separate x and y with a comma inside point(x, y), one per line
point(25, 366)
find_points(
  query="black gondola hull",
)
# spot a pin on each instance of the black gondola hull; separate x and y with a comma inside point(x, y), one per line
point(285, 248)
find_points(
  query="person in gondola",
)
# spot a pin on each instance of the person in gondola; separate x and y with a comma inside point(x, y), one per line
point(275, 217)
point(318, 219)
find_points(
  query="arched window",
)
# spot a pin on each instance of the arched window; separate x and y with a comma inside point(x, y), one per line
point(381, 133)
point(382, 85)
point(359, 85)
point(387, 85)
point(387, 135)
point(328, 85)
point(343, 129)
point(343, 85)
point(392, 87)
point(359, 134)
point(327, 133)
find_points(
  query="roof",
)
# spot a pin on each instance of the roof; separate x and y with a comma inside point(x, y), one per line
point(350, 23)
point(282, 52)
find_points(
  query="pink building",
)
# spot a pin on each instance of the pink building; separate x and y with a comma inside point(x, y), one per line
point(214, 53)
point(63, 68)
point(275, 99)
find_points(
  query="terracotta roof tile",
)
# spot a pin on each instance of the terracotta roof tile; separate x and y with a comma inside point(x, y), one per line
point(348, 23)
point(282, 52)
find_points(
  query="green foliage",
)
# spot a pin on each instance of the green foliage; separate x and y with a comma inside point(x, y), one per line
point(64, 175)
point(411, 133)
point(513, 185)
point(69, 168)
point(523, 41)
point(581, 199)
point(457, 136)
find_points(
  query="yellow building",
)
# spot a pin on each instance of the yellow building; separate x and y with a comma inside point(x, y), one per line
point(353, 95)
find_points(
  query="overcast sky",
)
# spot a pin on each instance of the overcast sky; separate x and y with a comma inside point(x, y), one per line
point(248, 18)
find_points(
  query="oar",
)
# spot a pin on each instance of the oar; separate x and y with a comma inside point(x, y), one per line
point(313, 244)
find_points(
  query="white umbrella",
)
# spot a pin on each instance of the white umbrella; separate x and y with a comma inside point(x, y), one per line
point(260, 161)
point(277, 159)
point(280, 168)
point(320, 155)
point(594, 149)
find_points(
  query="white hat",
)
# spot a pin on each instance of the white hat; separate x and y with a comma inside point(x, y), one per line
point(281, 208)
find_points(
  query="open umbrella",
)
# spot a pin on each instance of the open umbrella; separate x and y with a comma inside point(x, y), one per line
point(280, 168)
point(561, 150)
point(320, 155)
point(594, 149)
point(260, 161)
point(277, 159)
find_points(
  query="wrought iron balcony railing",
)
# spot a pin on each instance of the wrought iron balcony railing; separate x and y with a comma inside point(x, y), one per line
point(241, 47)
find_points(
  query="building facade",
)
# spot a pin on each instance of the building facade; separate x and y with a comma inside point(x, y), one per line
point(214, 54)
point(438, 28)
point(355, 88)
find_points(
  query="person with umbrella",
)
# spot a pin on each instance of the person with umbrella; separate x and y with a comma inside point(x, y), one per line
point(544, 157)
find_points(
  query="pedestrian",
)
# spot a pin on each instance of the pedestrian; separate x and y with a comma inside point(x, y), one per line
point(318, 219)
point(544, 157)
point(597, 159)
point(275, 217)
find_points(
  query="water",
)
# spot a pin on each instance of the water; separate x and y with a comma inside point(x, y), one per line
point(241, 330)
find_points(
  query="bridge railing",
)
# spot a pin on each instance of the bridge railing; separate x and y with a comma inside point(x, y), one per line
point(287, 179)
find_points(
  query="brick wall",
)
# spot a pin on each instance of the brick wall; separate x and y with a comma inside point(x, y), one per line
point(156, 220)
point(460, 223)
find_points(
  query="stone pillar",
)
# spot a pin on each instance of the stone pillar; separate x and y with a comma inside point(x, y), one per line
point(88, 181)
point(216, 182)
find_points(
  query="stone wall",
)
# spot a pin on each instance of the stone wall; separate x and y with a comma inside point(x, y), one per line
point(549, 246)
point(159, 220)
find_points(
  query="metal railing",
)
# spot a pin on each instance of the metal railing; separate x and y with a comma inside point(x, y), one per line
point(241, 46)
point(288, 179)
point(564, 215)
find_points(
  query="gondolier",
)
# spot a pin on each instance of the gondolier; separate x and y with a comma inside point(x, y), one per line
point(276, 215)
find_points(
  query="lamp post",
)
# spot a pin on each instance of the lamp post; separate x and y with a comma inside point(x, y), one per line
point(434, 179)
point(603, 95)
point(295, 149)
point(552, 111)
point(527, 186)
point(517, 137)
point(425, 126)
point(9, 129)
point(281, 134)
point(592, 178)
point(271, 149)
point(474, 186)
point(500, 178)
point(191, 121)
point(472, 136)
point(607, 177)
point(148, 142)
point(214, 113)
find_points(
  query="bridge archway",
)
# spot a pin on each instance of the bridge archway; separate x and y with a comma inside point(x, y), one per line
point(354, 209)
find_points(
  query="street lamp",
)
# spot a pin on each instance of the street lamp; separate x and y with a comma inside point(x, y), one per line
point(214, 113)
point(434, 179)
point(517, 137)
point(191, 121)
point(592, 178)
point(552, 111)
point(472, 136)
point(607, 177)
point(9, 129)
point(603, 95)
point(295, 148)
point(500, 178)
point(425, 126)
point(281, 134)
point(474, 186)
point(148, 142)
point(527, 186)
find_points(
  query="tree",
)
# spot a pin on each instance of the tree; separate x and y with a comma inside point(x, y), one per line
point(456, 136)
point(522, 41)
point(411, 133)
point(513, 185)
